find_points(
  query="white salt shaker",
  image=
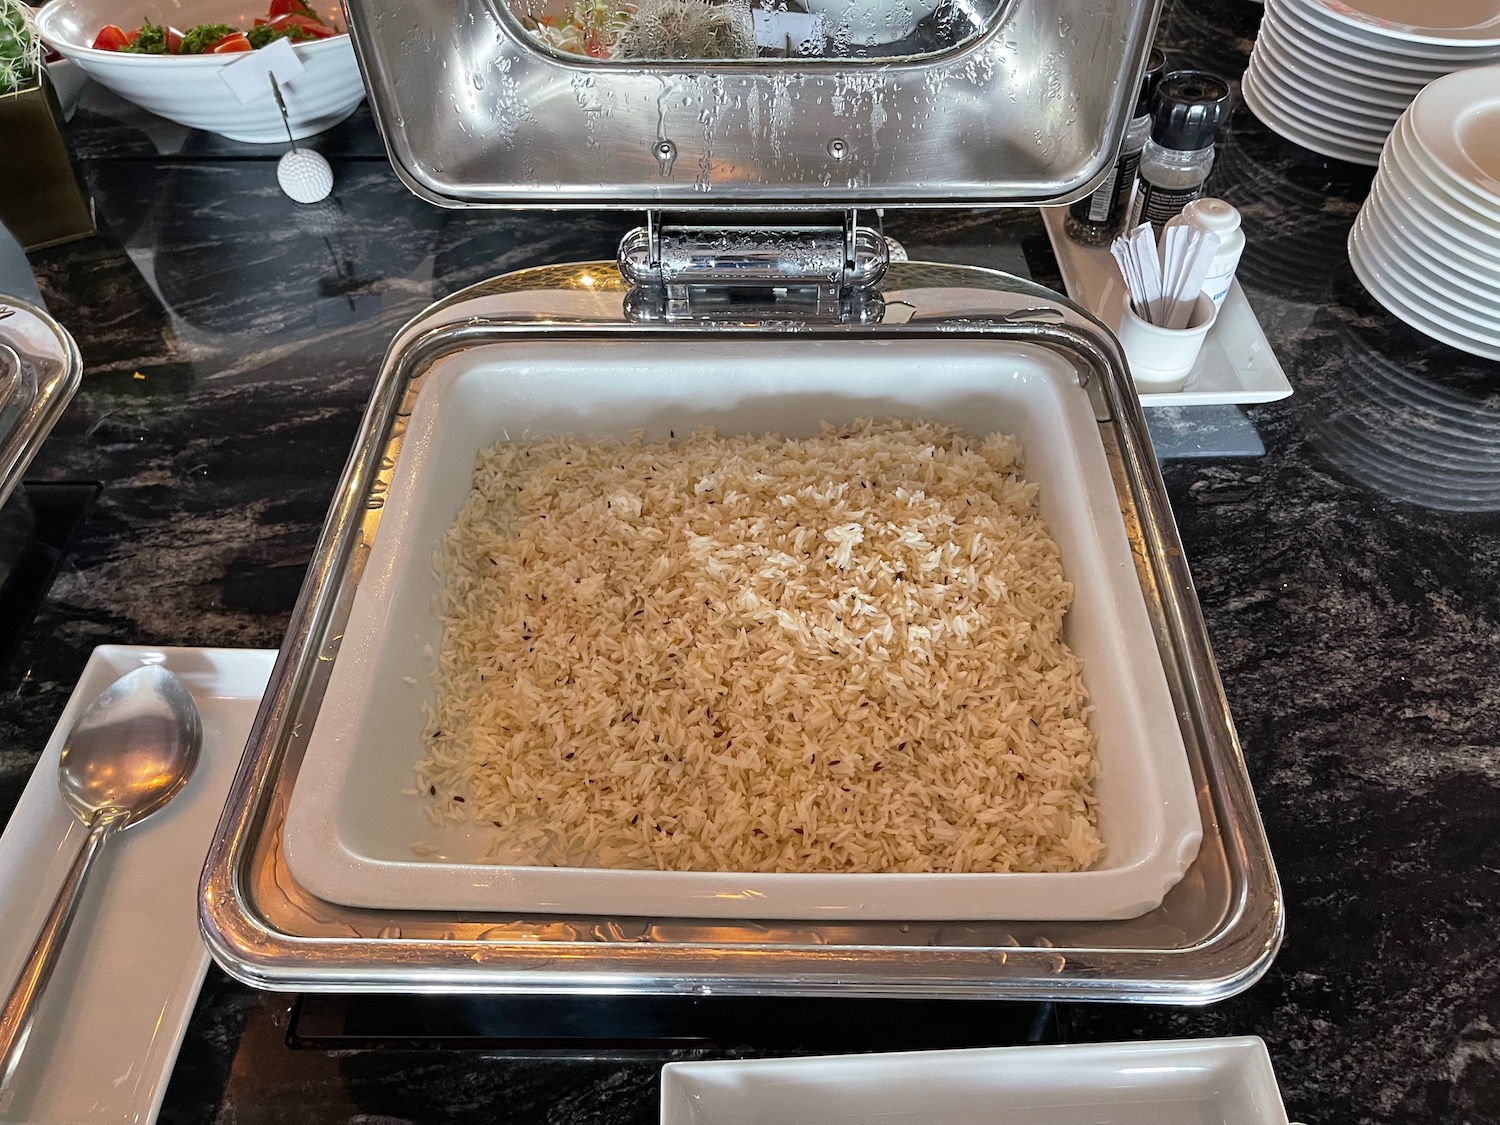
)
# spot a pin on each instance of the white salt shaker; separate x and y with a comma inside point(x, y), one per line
point(1224, 220)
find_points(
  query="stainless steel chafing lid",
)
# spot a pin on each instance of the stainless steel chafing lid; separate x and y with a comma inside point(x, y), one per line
point(705, 103)
point(40, 369)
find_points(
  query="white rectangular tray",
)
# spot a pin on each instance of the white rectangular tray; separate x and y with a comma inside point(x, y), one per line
point(1236, 366)
point(1179, 1082)
point(109, 1027)
point(350, 826)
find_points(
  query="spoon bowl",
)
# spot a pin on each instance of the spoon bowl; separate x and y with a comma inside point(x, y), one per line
point(133, 749)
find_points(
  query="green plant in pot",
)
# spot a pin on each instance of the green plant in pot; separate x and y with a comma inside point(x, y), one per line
point(42, 201)
point(20, 49)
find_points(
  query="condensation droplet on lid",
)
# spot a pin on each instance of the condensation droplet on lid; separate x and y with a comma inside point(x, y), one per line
point(666, 155)
point(838, 148)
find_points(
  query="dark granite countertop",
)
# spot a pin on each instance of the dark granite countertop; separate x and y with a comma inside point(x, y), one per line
point(1348, 577)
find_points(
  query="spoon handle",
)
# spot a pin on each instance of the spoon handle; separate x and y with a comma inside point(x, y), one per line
point(20, 1008)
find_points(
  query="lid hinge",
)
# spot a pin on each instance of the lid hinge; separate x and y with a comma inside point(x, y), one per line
point(803, 265)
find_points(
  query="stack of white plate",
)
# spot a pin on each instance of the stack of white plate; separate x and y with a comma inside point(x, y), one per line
point(1334, 75)
point(1426, 243)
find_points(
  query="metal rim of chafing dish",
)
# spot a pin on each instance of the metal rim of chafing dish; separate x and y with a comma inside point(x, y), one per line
point(40, 370)
point(1213, 936)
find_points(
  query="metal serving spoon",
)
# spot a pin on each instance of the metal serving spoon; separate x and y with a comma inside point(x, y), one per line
point(126, 757)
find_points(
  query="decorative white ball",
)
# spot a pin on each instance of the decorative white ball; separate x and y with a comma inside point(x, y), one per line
point(305, 176)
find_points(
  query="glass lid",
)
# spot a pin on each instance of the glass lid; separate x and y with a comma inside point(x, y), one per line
point(710, 103)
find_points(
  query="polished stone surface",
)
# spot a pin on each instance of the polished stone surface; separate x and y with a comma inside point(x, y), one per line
point(1348, 576)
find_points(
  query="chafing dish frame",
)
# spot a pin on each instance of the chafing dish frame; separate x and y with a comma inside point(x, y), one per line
point(1213, 936)
point(41, 369)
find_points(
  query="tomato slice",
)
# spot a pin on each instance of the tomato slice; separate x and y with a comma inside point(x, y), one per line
point(302, 23)
point(235, 41)
point(291, 8)
point(174, 40)
point(110, 38)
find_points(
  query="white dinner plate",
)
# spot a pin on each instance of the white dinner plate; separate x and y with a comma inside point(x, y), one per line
point(1400, 72)
point(1444, 189)
point(1291, 103)
point(1294, 131)
point(1379, 72)
point(1401, 275)
point(1419, 197)
point(1288, 126)
point(108, 1031)
point(1374, 283)
point(1329, 75)
point(1387, 285)
point(1374, 60)
point(1315, 22)
point(1427, 269)
point(1416, 22)
point(1330, 105)
point(1456, 120)
point(1436, 239)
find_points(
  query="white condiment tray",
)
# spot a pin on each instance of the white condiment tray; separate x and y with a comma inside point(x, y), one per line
point(1236, 365)
point(1173, 1082)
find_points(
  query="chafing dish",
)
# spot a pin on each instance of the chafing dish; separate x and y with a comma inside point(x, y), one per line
point(758, 173)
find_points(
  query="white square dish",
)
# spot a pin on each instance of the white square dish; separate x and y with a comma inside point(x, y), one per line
point(1181, 1082)
point(352, 823)
point(108, 1030)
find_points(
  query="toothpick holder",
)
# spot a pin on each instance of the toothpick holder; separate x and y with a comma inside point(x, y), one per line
point(1161, 359)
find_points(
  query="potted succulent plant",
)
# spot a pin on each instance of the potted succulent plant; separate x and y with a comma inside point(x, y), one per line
point(42, 201)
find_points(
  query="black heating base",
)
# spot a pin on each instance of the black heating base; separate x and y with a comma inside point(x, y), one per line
point(657, 1026)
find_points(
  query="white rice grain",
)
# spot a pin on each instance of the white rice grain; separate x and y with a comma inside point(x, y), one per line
point(836, 654)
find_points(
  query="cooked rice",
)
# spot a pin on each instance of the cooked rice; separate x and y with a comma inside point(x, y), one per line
point(758, 654)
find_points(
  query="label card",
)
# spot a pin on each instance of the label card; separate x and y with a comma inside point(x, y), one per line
point(249, 78)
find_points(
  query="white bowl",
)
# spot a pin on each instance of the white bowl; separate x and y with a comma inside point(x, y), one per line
point(187, 88)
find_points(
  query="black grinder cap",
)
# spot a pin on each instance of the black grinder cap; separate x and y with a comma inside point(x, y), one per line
point(1189, 107)
point(1156, 66)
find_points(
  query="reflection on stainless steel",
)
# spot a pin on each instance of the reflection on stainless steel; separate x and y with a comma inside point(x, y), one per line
point(127, 756)
point(40, 370)
point(1214, 934)
point(473, 110)
point(686, 30)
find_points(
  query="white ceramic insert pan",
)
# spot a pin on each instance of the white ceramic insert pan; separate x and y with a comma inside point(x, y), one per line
point(352, 822)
